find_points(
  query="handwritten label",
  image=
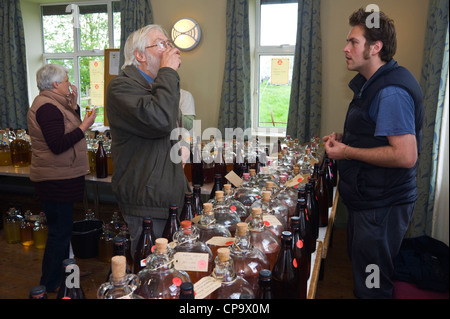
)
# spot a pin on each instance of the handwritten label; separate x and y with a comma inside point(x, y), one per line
point(220, 241)
point(205, 286)
point(191, 261)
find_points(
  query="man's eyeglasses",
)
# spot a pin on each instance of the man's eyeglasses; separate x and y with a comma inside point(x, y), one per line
point(161, 45)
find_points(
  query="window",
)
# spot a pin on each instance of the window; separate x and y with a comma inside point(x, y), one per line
point(76, 36)
point(276, 33)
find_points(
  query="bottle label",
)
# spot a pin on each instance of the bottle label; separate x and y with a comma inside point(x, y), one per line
point(271, 220)
point(220, 241)
point(206, 286)
point(191, 261)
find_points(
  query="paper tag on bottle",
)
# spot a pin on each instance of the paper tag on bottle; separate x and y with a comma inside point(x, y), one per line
point(271, 220)
point(196, 219)
point(191, 261)
point(234, 179)
point(206, 286)
point(220, 241)
point(293, 182)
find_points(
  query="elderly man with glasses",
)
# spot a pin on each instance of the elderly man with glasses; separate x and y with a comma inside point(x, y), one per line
point(142, 105)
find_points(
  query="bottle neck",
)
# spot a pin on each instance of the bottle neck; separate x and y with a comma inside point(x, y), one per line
point(224, 270)
point(241, 244)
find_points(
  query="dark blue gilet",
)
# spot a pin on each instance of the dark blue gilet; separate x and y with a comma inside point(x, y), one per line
point(362, 185)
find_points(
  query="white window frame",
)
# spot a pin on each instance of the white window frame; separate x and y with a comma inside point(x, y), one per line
point(261, 51)
point(77, 53)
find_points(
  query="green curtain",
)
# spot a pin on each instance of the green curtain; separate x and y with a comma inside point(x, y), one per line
point(134, 14)
point(433, 81)
point(306, 92)
point(13, 72)
point(235, 105)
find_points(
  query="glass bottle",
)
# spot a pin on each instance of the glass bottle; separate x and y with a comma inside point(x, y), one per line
point(322, 198)
point(26, 230)
point(125, 235)
point(287, 195)
point(197, 200)
point(263, 238)
point(145, 244)
point(38, 292)
point(106, 244)
point(70, 287)
point(284, 274)
point(12, 226)
point(187, 290)
point(301, 255)
point(121, 285)
point(220, 166)
point(208, 165)
point(234, 204)
point(5, 152)
point(232, 285)
point(209, 229)
point(329, 179)
point(246, 193)
point(239, 165)
point(159, 279)
point(197, 164)
point(274, 213)
point(248, 260)
point(187, 213)
point(191, 254)
point(119, 249)
point(223, 214)
point(265, 284)
point(20, 150)
point(116, 223)
point(101, 164)
point(312, 209)
point(40, 232)
point(172, 223)
point(217, 186)
point(305, 226)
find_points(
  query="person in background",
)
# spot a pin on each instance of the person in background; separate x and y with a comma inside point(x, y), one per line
point(378, 153)
point(142, 105)
point(187, 107)
point(59, 162)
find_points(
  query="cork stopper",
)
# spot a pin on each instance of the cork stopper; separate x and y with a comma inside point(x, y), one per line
point(265, 169)
point(266, 195)
point(161, 245)
point(252, 172)
point(118, 266)
point(283, 178)
point(227, 188)
point(207, 208)
point(296, 169)
point(256, 211)
point(219, 195)
point(223, 254)
point(269, 185)
point(242, 228)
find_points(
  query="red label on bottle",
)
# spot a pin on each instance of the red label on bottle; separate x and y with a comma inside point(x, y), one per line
point(176, 281)
point(299, 244)
point(294, 263)
point(233, 208)
point(266, 223)
point(153, 248)
point(300, 179)
point(229, 243)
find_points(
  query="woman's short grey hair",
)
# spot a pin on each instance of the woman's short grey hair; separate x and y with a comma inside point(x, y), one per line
point(137, 41)
point(49, 74)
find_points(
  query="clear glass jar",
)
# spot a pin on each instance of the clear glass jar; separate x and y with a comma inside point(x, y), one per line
point(159, 279)
point(232, 285)
point(40, 232)
point(191, 254)
point(20, 150)
point(223, 214)
point(12, 226)
point(121, 284)
point(248, 260)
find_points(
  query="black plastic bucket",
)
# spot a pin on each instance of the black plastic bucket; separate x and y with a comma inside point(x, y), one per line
point(85, 237)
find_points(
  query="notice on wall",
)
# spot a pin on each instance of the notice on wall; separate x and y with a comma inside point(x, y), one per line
point(96, 73)
point(279, 71)
point(114, 58)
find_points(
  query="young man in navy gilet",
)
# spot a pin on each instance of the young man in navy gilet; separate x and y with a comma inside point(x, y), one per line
point(377, 153)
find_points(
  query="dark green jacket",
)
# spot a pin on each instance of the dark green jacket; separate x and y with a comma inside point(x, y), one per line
point(141, 118)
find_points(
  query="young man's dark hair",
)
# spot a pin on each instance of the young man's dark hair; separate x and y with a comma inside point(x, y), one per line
point(385, 32)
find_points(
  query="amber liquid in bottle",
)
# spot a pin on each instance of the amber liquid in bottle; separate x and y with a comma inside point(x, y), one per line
point(101, 161)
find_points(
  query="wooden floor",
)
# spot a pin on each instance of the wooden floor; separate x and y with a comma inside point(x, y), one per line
point(21, 269)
